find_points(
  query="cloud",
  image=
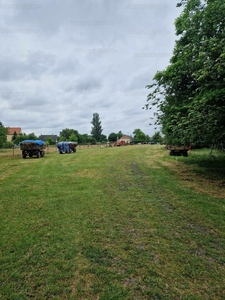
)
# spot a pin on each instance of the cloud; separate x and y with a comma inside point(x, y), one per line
point(62, 61)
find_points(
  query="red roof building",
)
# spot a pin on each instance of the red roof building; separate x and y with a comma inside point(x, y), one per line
point(11, 131)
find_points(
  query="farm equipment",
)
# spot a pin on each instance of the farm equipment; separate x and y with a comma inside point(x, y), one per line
point(178, 150)
point(66, 147)
point(73, 146)
point(63, 147)
point(32, 148)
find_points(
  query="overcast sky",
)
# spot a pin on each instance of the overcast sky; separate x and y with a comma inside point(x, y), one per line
point(63, 60)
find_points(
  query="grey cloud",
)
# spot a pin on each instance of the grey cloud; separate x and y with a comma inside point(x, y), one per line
point(86, 57)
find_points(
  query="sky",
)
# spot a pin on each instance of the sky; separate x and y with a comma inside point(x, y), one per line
point(63, 61)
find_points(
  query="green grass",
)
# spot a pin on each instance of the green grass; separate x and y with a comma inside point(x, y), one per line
point(112, 223)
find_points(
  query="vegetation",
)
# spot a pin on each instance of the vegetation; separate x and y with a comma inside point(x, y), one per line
point(112, 137)
point(3, 133)
point(140, 137)
point(96, 130)
point(49, 141)
point(189, 93)
point(79, 226)
point(157, 138)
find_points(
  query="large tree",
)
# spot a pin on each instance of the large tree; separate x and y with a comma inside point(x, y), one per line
point(3, 134)
point(96, 130)
point(66, 133)
point(190, 92)
point(139, 136)
point(112, 137)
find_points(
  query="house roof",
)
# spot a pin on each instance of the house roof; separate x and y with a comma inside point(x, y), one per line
point(11, 130)
point(127, 137)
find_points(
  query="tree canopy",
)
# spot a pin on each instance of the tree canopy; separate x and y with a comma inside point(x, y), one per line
point(23, 136)
point(96, 130)
point(139, 136)
point(67, 133)
point(3, 134)
point(190, 92)
point(112, 137)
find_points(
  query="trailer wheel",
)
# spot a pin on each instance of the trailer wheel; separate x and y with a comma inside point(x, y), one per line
point(30, 154)
point(38, 154)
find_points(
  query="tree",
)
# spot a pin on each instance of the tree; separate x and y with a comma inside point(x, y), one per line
point(85, 139)
point(112, 137)
point(23, 136)
point(19, 138)
point(65, 134)
point(157, 138)
point(49, 141)
point(119, 134)
point(32, 136)
point(73, 137)
point(103, 138)
point(96, 130)
point(3, 134)
point(190, 92)
point(14, 136)
point(139, 136)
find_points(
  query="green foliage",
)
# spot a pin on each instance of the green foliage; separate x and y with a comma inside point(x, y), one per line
point(157, 137)
point(139, 136)
point(86, 139)
point(3, 134)
point(103, 138)
point(31, 136)
point(73, 137)
point(49, 141)
point(8, 145)
point(112, 137)
point(66, 133)
point(14, 136)
point(96, 130)
point(190, 92)
point(23, 136)
point(119, 134)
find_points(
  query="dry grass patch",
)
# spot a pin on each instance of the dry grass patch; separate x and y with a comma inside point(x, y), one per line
point(189, 178)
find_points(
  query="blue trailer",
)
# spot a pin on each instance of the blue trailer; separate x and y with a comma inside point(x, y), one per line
point(64, 147)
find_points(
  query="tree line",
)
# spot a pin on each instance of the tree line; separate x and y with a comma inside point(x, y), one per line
point(69, 134)
point(190, 92)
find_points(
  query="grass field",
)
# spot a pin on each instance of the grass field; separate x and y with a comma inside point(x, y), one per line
point(120, 223)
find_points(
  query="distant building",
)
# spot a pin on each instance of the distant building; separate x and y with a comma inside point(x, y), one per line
point(11, 131)
point(125, 139)
point(54, 137)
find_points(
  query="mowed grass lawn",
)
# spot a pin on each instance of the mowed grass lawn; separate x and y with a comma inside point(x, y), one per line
point(120, 223)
